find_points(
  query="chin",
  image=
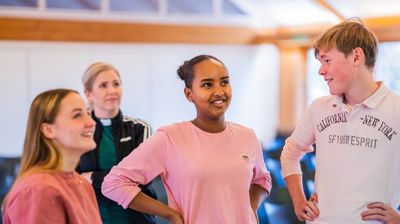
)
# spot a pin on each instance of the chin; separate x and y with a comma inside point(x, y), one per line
point(89, 147)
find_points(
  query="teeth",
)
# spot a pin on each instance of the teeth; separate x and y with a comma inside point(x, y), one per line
point(88, 134)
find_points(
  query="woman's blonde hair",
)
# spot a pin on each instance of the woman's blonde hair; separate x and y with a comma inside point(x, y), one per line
point(39, 152)
point(91, 73)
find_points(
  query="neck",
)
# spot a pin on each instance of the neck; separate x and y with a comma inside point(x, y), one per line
point(357, 96)
point(69, 161)
point(211, 126)
point(105, 114)
point(363, 88)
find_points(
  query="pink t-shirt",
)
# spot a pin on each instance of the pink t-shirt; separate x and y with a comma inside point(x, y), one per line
point(207, 176)
point(44, 197)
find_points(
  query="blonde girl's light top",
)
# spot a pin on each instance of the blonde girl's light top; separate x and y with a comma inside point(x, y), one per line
point(51, 197)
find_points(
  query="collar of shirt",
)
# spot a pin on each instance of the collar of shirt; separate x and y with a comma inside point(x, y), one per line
point(371, 102)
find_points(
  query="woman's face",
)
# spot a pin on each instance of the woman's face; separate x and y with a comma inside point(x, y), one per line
point(211, 91)
point(73, 127)
point(105, 95)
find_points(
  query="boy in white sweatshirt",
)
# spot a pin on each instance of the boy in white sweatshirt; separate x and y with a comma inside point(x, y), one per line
point(357, 135)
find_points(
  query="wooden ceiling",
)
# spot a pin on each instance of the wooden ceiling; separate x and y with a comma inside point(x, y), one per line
point(38, 28)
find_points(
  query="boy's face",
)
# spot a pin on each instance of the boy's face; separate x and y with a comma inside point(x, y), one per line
point(338, 70)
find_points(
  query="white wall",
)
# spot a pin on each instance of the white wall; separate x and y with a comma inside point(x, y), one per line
point(152, 90)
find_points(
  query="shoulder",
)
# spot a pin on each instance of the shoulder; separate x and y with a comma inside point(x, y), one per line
point(237, 126)
point(126, 120)
point(136, 124)
point(37, 185)
point(323, 101)
point(394, 98)
point(175, 127)
point(240, 129)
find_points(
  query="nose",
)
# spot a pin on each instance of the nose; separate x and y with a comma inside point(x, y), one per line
point(322, 70)
point(218, 90)
point(90, 122)
point(112, 89)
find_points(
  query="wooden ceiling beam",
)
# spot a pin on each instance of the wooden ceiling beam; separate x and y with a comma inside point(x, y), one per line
point(24, 29)
point(89, 31)
point(330, 8)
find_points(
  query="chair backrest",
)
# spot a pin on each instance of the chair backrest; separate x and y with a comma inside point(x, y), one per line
point(8, 171)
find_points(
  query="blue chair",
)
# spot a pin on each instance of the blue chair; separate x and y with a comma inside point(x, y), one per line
point(8, 171)
point(278, 207)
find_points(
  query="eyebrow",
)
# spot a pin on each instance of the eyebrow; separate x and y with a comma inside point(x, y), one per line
point(210, 80)
point(114, 80)
point(76, 110)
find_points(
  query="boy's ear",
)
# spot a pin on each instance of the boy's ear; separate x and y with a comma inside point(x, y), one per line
point(47, 130)
point(358, 55)
point(188, 94)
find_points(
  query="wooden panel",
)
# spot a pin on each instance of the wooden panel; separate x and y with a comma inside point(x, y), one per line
point(330, 8)
point(386, 29)
point(292, 87)
point(87, 31)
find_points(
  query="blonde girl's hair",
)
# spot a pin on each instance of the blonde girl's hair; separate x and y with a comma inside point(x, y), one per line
point(39, 152)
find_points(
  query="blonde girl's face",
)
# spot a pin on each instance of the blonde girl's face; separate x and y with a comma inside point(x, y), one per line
point(105, 95)
point(73, 128)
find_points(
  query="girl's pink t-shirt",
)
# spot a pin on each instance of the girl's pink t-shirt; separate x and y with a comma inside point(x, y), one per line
point(207, 176)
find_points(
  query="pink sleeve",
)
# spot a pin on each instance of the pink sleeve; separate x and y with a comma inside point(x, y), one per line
point(297, 145)
point(261, 175)
point(36, 205)
point(141, 166)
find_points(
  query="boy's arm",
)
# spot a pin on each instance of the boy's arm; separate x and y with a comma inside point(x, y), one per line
point(290, 159)
point(305, 210)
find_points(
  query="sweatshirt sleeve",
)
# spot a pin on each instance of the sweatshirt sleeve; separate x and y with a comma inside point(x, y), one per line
point(297, 145)
point(261, 175)
point(32, 205)
point(141, 166)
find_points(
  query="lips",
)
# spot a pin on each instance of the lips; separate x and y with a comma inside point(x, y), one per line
point(328, 80)
point(112, 99)
point(218, 101)
point(87, 134)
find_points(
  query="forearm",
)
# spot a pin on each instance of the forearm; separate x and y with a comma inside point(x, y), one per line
point(295, 186)
point(146, 204)
point(257, 195)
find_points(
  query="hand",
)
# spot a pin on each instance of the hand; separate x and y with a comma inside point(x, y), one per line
point(176, 218)
point(308, 210)
point(87, 176)
point(381, 212)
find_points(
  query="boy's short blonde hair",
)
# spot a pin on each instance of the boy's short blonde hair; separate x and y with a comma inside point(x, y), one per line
point(348, 35)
